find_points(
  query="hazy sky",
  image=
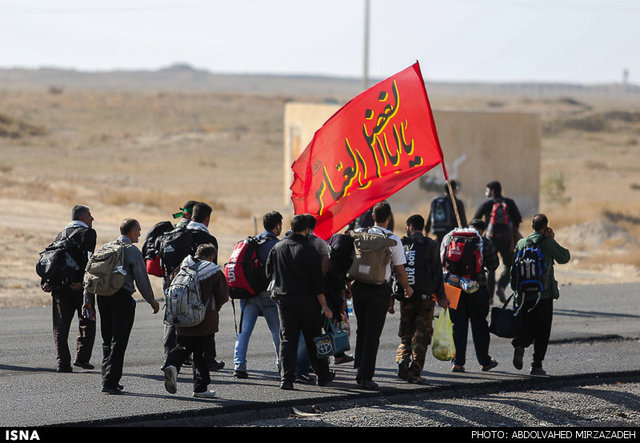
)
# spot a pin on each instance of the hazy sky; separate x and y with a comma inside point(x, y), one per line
point(584, 41)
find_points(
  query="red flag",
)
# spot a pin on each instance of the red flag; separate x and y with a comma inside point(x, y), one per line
point(376, 144)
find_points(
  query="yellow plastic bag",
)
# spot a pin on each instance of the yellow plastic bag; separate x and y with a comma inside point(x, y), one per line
point(442, 346)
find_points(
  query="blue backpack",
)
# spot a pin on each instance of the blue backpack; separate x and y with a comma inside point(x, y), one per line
point(531, 269)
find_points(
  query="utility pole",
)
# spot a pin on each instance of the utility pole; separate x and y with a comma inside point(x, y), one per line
point(365, 71)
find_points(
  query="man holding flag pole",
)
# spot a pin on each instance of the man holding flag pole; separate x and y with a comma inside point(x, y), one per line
point(379, 142)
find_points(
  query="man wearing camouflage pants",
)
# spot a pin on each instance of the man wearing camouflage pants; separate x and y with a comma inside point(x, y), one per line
point(416, 312)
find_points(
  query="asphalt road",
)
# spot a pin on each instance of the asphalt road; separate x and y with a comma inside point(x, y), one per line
point(596, 336)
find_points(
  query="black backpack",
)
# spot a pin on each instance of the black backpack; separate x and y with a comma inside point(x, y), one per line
point(442, 215)
point(417, 268)
point(340, 257)
point(56, 267)
point(149, 246)
point(173, 247)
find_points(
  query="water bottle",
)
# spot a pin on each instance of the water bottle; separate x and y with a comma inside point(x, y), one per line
point(349, 307)
point(468, 286)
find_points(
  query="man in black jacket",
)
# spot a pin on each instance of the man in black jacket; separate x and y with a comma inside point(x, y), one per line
point(297, 269)
point(502, 218)
point(67, 302)
point(424, 273)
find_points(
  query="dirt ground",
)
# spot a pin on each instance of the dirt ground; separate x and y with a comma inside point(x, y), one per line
point(143, 154)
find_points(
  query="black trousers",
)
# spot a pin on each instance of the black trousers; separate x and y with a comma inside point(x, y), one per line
point(200, 347)
point(472, 309)
point(302, 314)
point(117, 314)
point(536, 328)
point(504, 248)
point(370, 305)
point(65, 306)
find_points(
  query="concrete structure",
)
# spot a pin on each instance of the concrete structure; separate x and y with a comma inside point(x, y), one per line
point(478, 147)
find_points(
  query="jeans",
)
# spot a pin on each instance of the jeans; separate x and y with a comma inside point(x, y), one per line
point(251, 309)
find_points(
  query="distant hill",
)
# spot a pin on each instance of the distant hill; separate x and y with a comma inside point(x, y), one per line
point(183, 77)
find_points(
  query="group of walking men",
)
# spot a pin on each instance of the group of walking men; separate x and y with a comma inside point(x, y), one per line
point(308, 290)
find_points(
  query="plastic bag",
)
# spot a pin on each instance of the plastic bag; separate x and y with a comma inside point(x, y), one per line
point(442, 346)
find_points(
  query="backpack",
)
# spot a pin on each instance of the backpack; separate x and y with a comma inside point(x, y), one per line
point(56, 266)
point(530, 269)
point(371, 256)
point(499, 225)
point(245, 272)
point(105, 273)
point(340, 257)
point(462, 253)
point(442, 216)
point(183, 300)
point(173, 247)
point(149, 252)
point(417, 265)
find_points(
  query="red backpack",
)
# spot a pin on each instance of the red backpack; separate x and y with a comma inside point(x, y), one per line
point(245, 272)
point(462, 254)
point(499, 225)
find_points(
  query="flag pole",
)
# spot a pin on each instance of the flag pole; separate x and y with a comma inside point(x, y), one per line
point(455, 206)
point(451, 196)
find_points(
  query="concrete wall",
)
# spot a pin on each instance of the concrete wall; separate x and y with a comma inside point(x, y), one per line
point(478, 147)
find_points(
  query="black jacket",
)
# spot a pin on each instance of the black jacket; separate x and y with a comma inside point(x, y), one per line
point(84, 241)
point(484, 211)
point(297, 267)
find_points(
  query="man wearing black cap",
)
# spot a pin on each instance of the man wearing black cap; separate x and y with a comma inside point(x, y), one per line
point(185, 213)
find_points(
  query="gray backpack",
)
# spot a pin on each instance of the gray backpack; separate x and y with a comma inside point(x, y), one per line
point(183, 301)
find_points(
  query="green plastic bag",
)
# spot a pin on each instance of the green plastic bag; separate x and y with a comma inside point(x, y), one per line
point(442, 345)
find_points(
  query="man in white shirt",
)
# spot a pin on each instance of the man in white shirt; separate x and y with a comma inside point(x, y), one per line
point(372, 301)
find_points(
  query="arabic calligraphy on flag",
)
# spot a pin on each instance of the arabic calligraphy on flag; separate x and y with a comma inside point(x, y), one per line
point(376, 144)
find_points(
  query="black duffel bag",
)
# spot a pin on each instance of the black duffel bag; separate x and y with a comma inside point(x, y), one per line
point(505, 321)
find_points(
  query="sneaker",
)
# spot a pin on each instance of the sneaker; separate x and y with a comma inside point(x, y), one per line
point(369, 385)
point(303, 377)
point(111, 390)
point(457, 368)
point(344, 359)
point(216, 365)
point(64, 369)
point(83, 365)
point(205, 394)
point(286, 385)
point(170, 375)
point(417, 380)
point(537, 370)
point(403, 370)
point(326, 381)
point(518, 353)
point(492, 364)
point(240, 374)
